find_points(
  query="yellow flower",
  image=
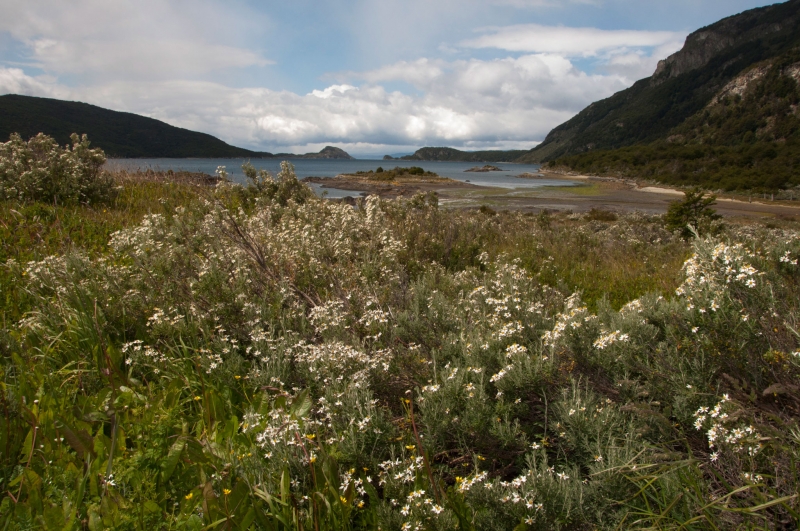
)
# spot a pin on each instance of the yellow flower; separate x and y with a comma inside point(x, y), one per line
point(310, 436)
point(410, 447)
point(459, 479)
point(226, 491)
point(238, 377)
point(313, 459)
point(480, 458)
point(197, 398)
point(360, 504)
point(344, 500)
point(189, 496)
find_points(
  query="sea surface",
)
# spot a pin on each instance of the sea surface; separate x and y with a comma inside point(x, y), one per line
point(330, 168)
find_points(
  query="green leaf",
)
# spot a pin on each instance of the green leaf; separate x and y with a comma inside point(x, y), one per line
point(171, 461)
point(80, 440)
point(301, 405)
point(248, 519)
point(151, 507)
point(53, 518)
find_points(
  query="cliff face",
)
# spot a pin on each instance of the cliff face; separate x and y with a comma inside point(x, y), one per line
point(700, 47)
point(682, 85)
point(706, 43)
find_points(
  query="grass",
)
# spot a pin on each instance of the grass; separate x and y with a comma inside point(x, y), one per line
point(586, 190)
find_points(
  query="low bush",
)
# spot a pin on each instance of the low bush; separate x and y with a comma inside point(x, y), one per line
point(693, 215)
point(40, 170)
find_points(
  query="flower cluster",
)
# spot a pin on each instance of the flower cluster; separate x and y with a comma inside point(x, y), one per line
point(722, 431)
point(573, 317)
point(338, 362)
point(722, 266)
point(610, 338)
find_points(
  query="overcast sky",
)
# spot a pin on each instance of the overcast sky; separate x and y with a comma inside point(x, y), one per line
point(370, 76)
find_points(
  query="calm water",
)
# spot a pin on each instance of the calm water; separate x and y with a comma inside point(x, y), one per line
point(331, 168)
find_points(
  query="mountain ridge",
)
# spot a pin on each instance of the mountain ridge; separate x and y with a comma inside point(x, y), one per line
point(122, 134)
point(682, 85)
point(455, 155)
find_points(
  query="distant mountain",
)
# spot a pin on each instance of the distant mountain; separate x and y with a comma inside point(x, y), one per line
point(328, 152)
point(450, 154)
point(121, 134)
point(683, 84)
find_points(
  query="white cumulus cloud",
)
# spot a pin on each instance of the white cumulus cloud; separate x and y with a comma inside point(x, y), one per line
point(571, 42)
point(128, 38)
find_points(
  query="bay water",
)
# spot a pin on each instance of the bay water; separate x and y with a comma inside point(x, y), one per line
point(506, 179)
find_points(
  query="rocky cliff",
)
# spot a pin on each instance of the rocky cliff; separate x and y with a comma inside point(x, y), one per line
point(706, 43)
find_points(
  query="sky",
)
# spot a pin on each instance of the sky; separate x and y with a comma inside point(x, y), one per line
point(373, 77)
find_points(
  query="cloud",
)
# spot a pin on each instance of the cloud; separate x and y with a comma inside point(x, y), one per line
point(571, 42)
point(420, 72)
point(127, 38)
point(529, 4)
point(332, 91)
point(16, 81)
point(473, 104)
point(138, 57)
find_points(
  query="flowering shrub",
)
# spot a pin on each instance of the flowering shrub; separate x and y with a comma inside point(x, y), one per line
point(40, 170)
point(263, 359)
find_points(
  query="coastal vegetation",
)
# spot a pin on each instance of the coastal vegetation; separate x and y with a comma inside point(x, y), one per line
point(398, 173)
point(188, 354)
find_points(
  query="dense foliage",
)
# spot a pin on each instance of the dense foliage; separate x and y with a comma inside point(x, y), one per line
point(40, 170)
point(258, 358)
point(693, 216)
point(379, 174)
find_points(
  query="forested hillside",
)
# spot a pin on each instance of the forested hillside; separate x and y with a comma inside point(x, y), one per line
point(748, 137)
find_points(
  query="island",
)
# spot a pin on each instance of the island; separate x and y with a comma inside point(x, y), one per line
point(484, 169)
point(389, 183)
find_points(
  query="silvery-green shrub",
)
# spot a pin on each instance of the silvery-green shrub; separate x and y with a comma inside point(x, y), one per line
point(41, 170)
